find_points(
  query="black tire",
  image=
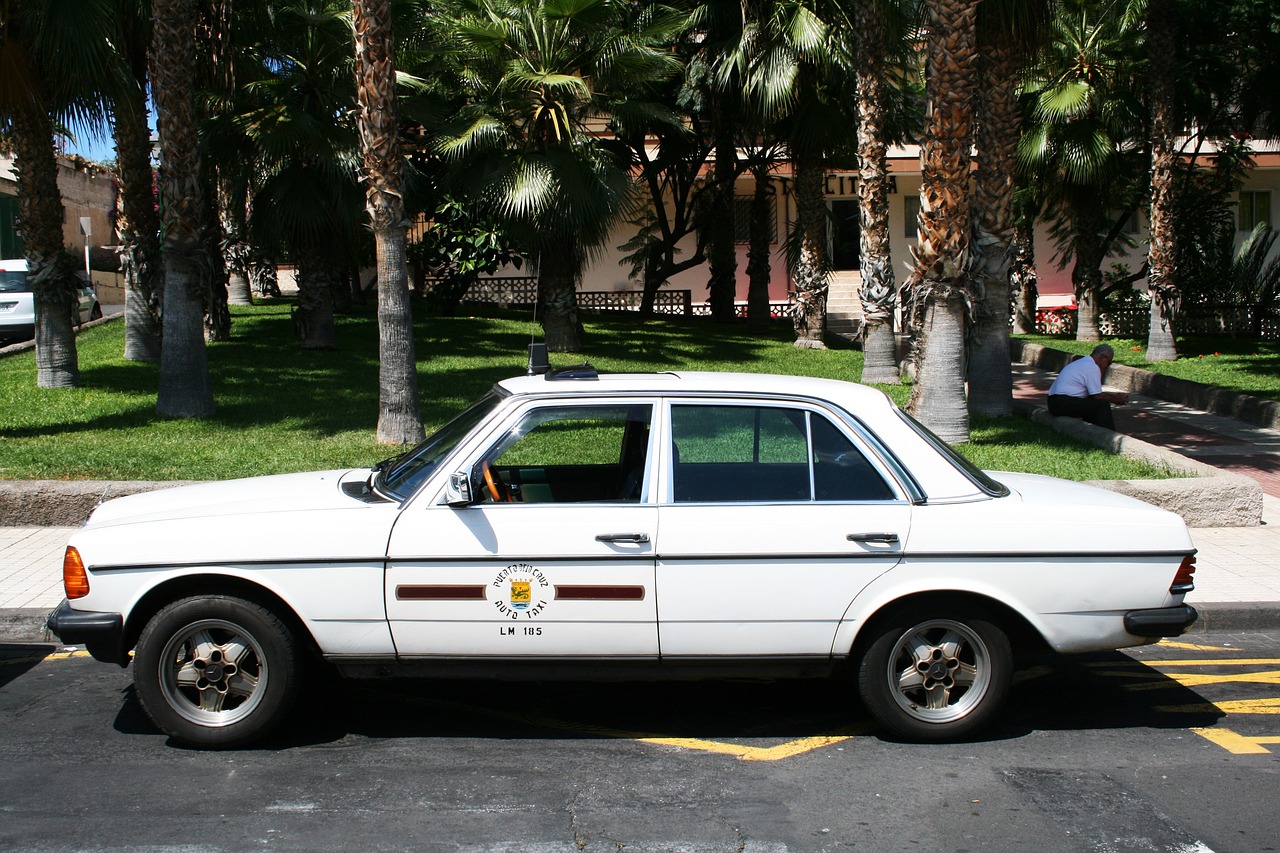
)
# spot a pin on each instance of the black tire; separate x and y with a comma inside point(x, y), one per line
point(96, 313)
point(913, 662)
point(216, 672)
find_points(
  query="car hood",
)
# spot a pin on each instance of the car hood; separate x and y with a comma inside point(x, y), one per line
point(316, 490)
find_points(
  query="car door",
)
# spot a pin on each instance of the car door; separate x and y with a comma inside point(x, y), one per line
point(773, 519)
point(554, 555)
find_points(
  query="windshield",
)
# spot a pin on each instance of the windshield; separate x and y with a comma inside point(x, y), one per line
point(401, 476)
point(13, 281)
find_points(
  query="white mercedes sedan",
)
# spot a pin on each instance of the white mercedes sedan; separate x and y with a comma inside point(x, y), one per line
point(664, 526)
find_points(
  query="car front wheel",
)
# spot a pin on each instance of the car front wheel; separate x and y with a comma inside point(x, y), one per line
point(934, 677)
point(215, 671)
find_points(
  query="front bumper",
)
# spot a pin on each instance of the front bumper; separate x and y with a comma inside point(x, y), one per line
point(101, 633)
point(1161, 621)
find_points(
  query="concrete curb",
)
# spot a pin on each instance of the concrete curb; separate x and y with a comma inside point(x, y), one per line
point(64, 503)
point(27, 625)
point(1207, 497)
point(1195, 395)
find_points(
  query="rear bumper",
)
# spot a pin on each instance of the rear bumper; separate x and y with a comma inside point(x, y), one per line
point(1160, 622)
point(101, 633)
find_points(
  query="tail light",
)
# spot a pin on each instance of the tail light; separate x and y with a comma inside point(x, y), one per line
point(75, 580)
point(1184, 581)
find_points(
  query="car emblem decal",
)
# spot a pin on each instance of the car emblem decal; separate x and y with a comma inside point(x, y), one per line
point(525, 591)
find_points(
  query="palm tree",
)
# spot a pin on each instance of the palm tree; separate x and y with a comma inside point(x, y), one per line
point(874, 24)
point(1007, 32)
point(799, 65)
point(306, 201)
point(399, 418)
point(53, 54)
point(939, 283)
point(715, 76)
point(1162, 281)
point(185, 390)
point(138, 227)
point(1022, 267)
point(545, 76)
point(1081, 147)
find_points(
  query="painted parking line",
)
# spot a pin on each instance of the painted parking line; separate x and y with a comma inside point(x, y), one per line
point(776, 752)
point(1264, 671)
point(66, 655)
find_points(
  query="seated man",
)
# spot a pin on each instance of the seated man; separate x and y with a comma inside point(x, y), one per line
point(1077, 392)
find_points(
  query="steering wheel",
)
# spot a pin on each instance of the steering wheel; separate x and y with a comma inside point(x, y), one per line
point(497, 489)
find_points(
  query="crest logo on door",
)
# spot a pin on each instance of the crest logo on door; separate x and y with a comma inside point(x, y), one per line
point(521, 594)
point(522, 581)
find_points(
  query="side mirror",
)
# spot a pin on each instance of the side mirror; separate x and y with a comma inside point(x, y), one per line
point(458, 492)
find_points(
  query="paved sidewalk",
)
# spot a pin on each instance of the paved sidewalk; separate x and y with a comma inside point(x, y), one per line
point(1238, 568)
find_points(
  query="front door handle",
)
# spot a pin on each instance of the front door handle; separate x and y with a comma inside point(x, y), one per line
point(889, 538)
point(637, 538)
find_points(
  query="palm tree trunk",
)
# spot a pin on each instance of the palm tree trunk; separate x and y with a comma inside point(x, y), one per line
point(50, 270)
point(722, 252)
point(1086, 278)
point(879, 289)
point(558, 270)
point(1162, 255)
point(998, 128)
point(314, 314)
point(138, 226)
point(937, 398)
point(758, 266)
point(942, 255)
point(237, 252)
point(184, 389)
point(812, 269)
point(1022, 275)
point(399, 414)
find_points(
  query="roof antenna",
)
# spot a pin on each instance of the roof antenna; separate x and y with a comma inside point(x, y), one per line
point(538, 362)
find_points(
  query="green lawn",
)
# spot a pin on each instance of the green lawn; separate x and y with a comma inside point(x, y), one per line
point(1239, 364)
point(284, 409)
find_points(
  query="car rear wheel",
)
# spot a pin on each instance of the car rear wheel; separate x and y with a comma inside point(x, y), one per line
point(215, 671)
point(930, 676)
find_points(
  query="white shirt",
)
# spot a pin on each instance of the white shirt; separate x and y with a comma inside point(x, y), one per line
point(1081, 378)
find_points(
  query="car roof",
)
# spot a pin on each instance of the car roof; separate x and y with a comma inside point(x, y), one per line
point(698, 382)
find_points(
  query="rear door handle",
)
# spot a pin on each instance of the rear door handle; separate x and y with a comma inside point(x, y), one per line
point(889, 538)
point(637, 538)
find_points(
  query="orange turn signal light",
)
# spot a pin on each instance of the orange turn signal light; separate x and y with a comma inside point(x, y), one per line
point(75, 580)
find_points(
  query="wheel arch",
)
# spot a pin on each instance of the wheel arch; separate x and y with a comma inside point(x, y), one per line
point(188, 586)
point(1024, 637)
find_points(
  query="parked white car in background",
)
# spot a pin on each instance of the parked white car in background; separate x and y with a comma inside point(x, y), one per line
point(661, 526)
point(18, 310)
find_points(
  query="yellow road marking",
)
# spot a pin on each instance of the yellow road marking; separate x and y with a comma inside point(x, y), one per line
point(1199, 679)
point(788, 749)
point(1270, 705)
point(1193, 647)
point(1237, 744)
point(80, 653)
point(756, 753)
point(1226, 662)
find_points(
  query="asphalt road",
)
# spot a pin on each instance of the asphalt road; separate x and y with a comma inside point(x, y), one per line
point(1168, 748)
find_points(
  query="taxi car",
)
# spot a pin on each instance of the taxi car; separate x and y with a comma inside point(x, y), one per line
point(673, 525)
